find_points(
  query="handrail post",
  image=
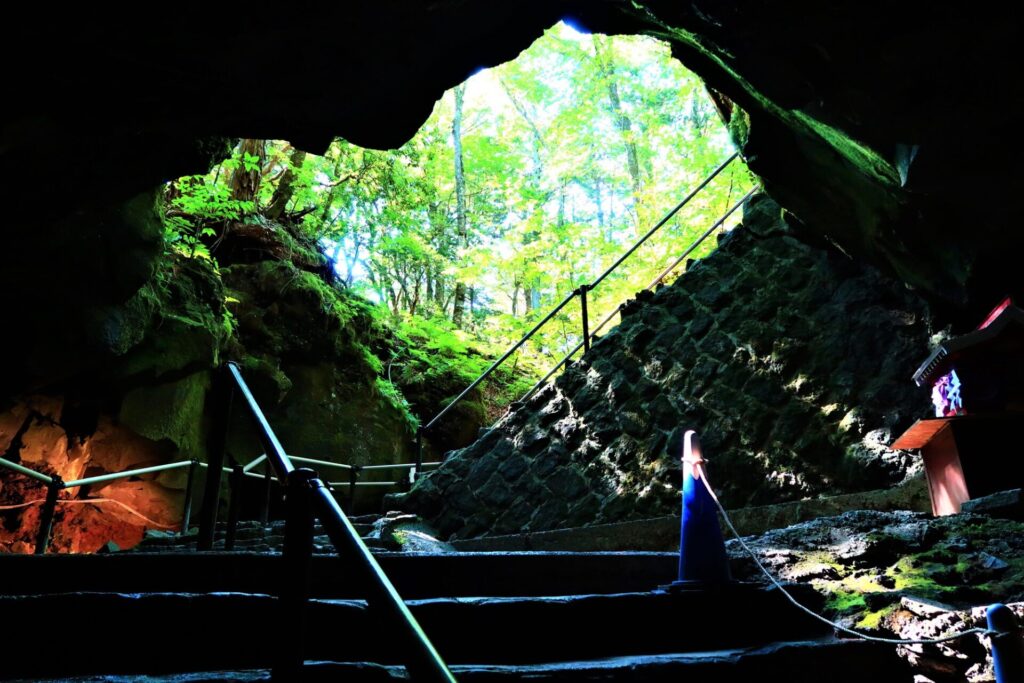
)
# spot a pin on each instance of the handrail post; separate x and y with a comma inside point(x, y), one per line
point(296, 557)
point(419, 453)
point(353, 477)
point(265, 504)
point(234, 505)
point(583, 312)
point(1007, 646)
point(46, 516)
point(220, 397)
point(186, 507)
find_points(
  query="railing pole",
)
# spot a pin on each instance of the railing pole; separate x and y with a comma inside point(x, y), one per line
point(1007, 646)
point(586, 322)
point(46, 516)
point(186, 508)
point(234, 506)
point(297, 557)
point(419, 454)
point(353, 477)
point(220, 399)
point(265, 504)
point(422, 661)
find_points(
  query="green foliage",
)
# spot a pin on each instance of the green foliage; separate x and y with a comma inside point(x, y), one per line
point(570, 152)
point(552, 200)
point(193, 205)
point(393, 395)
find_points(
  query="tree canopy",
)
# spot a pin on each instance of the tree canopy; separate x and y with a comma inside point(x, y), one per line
point(526, 182)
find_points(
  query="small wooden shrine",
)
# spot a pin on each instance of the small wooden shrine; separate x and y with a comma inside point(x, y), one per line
point(973, 446)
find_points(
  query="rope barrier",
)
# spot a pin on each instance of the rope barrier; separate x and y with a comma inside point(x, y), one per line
point(699, 463)
point(88, 501)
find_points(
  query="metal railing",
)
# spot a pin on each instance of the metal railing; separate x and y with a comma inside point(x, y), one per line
point(307, 499)
point(55, 484)
point(581, 292)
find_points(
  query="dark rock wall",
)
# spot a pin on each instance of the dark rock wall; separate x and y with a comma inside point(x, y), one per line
point(886, 128)
point(791, 361)
point(140, 404)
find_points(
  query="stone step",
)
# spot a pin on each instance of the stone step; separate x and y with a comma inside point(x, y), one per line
point(502, 632)
point(414, 575)
point(272, 538)
point(793, 662)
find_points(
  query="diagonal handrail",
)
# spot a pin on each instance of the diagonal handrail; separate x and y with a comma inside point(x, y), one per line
point(686, 200)
point(27, 471)
point(654, 283)
point(581, 292)
point(308, 498)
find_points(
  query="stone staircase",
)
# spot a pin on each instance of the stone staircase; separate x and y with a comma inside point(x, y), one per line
point(178, 615)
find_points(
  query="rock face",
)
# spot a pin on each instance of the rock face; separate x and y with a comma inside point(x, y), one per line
point(308, 358)
point(142, 406)
point(902, 574)
point(791, 361)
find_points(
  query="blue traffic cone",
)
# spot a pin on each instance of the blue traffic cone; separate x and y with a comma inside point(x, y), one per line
point(702, 558)
point(1007, 646)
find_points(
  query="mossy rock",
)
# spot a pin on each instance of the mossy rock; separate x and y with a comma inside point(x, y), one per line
point(173, 411)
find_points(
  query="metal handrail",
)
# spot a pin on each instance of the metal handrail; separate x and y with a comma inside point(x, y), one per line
point(663, 221)
point(54, 485)
point(27, 471)
point(321, 463)
point(273, 450)
point(654, 283)
point(581, 291)
point(307, 493)
point(425, 663)
point(254, 463)
point(99, 479)
point(307, 499)
point(486, 373)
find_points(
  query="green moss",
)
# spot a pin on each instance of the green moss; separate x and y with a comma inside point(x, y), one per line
point(739, 127)
point(841, 601)
point(862, 584)
point(370, 358)
point(911, 573)
point(873, 620)
point(259, 366)
point(171, 411)
point(393, 396)
point(171, 327)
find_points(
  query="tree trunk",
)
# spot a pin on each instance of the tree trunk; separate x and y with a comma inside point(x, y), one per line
point(606, 65)
point(459, 305)
point(286, 188)
point(245, 184)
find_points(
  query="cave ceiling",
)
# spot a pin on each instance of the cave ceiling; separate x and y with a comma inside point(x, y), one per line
point(886, 129)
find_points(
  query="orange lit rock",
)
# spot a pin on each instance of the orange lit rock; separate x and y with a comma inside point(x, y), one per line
point(31, 433)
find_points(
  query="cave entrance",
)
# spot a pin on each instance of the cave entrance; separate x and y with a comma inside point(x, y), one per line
point(527, 180)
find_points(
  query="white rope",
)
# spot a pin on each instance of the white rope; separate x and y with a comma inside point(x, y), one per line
point(20, 505)
point(703, 476)
point(88, 501)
